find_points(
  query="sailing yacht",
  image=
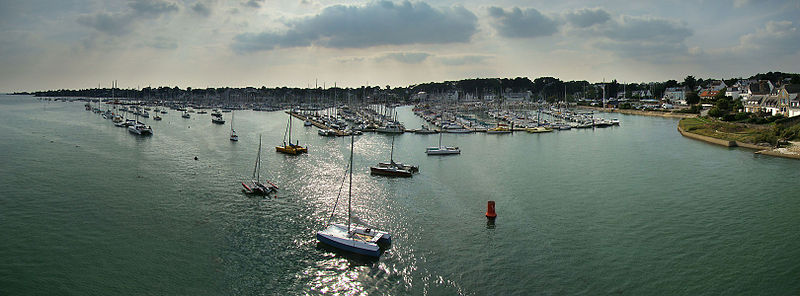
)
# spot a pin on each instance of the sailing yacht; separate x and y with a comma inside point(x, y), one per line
point(394, 169)
point(234, 136)
point(256, 187)
point(351, 237)
point(442, 150)
point(293, 149)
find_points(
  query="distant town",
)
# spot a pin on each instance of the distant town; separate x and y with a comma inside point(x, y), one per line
point(772, 93)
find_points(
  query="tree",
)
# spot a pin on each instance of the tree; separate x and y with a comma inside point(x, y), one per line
point(671, 83)
point(690, 82)
point(692, 98)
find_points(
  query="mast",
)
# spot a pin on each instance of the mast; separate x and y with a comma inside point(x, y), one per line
point(440, 140)
point(391, 153)
point(257, 168)
point(350, 189)
point(290, 128)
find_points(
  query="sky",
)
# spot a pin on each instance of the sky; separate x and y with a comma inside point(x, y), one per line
point(74, 44)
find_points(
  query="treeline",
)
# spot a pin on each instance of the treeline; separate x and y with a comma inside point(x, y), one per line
point(542, 88)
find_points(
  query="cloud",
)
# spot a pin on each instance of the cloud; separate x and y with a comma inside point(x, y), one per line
point(253, 3)
point(120, 23)
point(776, 38)
point(404, 57)
point(109, 23)
point(637, 28)
point(152, 8)
point(518, 23)
point(161, 42)
point(460, 60)
point(374, 24)
point(587, 17)
point(201, 9)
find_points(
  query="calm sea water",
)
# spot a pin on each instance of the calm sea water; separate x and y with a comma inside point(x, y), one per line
point(88, 209)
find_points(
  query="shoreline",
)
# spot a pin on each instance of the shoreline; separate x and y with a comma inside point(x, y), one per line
point(642, 113)
point(792, 152)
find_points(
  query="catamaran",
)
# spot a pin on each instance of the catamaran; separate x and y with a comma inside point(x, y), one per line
point(351, 237)
point(256, 187)
point(290, 148)
point(442, 150)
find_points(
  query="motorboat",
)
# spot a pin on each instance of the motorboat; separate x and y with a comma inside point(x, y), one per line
point(140, 129)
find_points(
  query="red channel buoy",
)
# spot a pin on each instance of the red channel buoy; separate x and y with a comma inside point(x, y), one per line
point(490, 210)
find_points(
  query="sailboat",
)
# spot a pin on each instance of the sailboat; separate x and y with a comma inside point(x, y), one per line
point(256, 187)
point(442, 150)
point(350, 237)
point(290, 148)
point(234, 136)
point(392, 168)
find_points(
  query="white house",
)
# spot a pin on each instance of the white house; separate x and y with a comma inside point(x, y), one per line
point(733, 92)
point(675, 95)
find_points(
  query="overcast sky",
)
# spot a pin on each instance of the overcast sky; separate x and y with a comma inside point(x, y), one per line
point(198, 43)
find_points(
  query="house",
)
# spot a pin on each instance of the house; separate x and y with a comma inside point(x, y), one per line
point(708, 94)
point(761, 87)
point(733, 92)
point(770, 104)
point(716, 85)
point(642, 93)
point(517, 96)
point(794, 107)
point(675, 95)
point(785, 94)
point(753, 103)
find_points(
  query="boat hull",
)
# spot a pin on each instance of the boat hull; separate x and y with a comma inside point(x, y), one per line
point(390, 172)
point(442, 151)
point(336, 236)
point(293, 150)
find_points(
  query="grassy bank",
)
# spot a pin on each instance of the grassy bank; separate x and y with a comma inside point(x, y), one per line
point(745, 133)
point(642, 112)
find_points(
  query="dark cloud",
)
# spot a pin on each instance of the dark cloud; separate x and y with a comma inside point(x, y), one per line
point(376, 23)
point(636, 28)
point(587, 17)
point(122, 22)
point(405, 57)
point(152, 8)
point(112, 24)
point(518, 23)
point(201, 9)
point(253, 3)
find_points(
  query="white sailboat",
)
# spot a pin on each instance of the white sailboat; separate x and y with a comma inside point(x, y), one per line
point(351, 237)
point(234, 136)
point(442, 150)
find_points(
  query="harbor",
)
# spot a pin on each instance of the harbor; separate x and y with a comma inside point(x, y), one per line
point(576, 209)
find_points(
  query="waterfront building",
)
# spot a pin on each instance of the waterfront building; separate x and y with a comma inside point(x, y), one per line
point(675, 95)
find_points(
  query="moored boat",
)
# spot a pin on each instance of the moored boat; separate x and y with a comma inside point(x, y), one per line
point(350, 237)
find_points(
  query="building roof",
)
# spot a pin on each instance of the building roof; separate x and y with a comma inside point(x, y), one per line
point(759, 88)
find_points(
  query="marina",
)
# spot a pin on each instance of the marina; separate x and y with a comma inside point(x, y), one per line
point(576, 209)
